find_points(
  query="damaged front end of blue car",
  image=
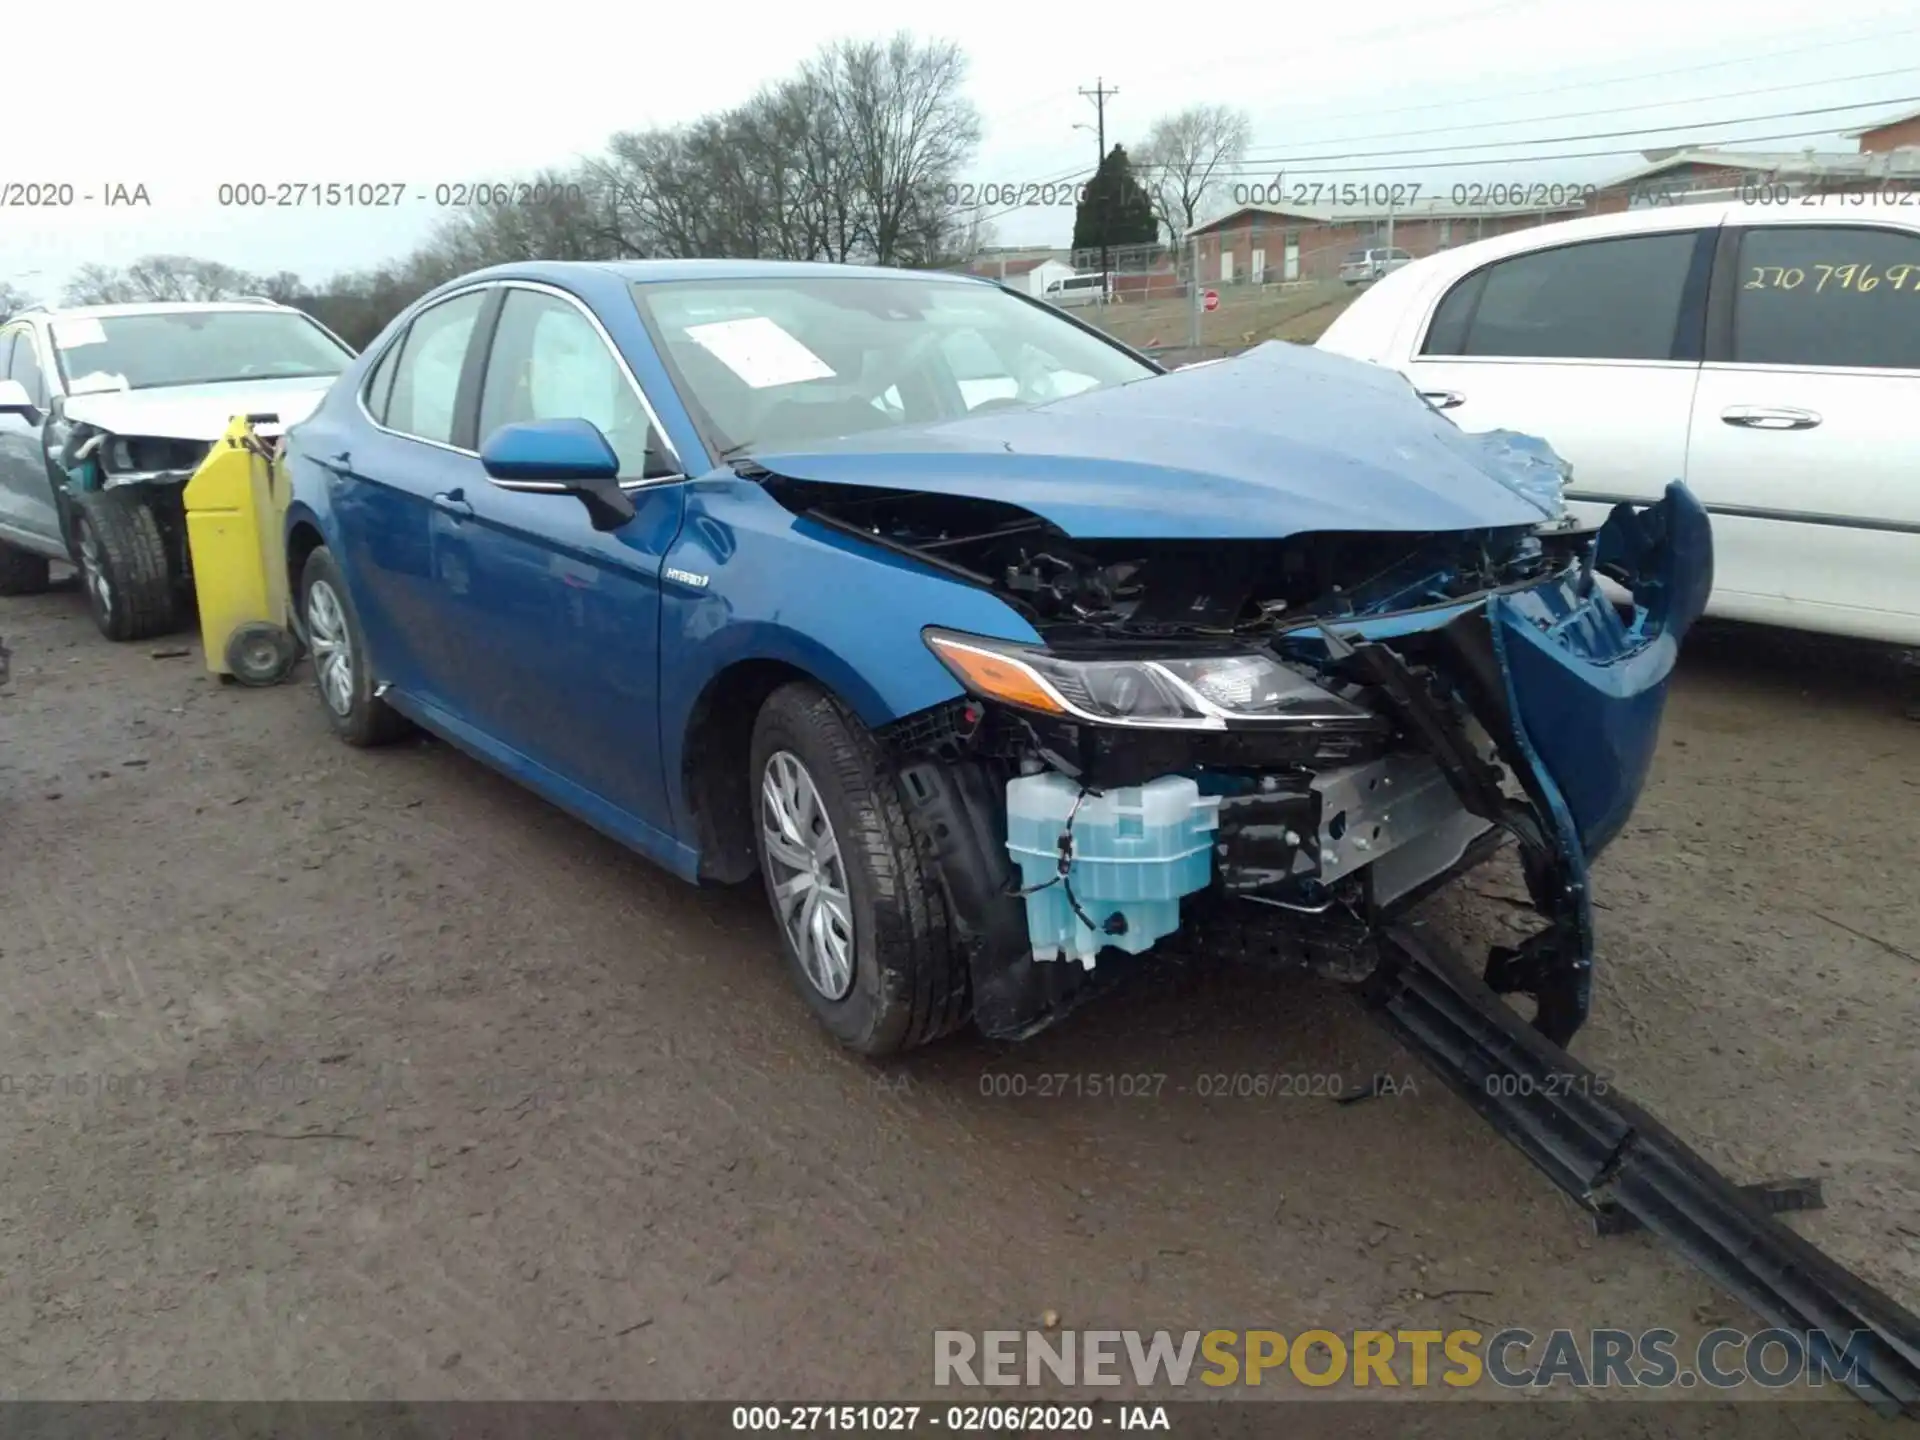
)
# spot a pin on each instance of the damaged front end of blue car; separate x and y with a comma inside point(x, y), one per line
point(1234, 716)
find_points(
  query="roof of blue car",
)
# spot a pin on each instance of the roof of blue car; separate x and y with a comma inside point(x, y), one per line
point(653, 270)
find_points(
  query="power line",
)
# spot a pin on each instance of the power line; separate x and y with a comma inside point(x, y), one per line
point(1260, 160)
point(1794, 51)
point(1621, 109)
point(1486, 161)
point(1444, 164)
point(1640, 76)
point(1439, 22)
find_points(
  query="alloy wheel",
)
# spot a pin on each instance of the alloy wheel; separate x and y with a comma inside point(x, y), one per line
point(808, 878)
point(332, 647)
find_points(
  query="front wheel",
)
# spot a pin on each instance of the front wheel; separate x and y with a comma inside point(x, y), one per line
point(124, 564)
point(862, 919)
point(339, 651)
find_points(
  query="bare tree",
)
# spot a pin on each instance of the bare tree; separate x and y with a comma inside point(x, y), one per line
point(908, 129)
point(1187, 155)
point(12, 301)
point(98, 285)
point(852, 158)
point(164, 277)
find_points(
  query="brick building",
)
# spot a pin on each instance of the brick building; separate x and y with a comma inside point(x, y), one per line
point(1265, 244)
point(1902, 132)
point(1681, 176)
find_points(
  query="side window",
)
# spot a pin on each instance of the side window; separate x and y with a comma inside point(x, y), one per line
point(380, 384)
point(1595, 300)
point(426, 377)
point(549, 363)
point(1828, 295)
point(26, 369)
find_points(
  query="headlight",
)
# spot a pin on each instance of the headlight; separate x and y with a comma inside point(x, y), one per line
point(1195, 693)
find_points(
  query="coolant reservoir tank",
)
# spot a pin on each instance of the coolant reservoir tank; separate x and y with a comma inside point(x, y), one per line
point(1136, 851)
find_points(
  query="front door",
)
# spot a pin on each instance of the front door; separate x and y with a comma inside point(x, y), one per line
point(558, 623)
point(1803, 428)
point(1592, 346)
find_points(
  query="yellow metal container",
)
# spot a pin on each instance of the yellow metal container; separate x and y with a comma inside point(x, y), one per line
point(236, 504)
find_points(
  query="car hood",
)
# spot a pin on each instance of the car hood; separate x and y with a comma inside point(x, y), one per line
point(196, 412)
point(1281, 440)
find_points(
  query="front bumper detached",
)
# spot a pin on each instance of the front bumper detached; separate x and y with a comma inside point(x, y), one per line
point(1570, 694)
point(1526, 716)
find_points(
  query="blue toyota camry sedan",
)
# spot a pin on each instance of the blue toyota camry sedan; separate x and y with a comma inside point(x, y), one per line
point(1003, 657)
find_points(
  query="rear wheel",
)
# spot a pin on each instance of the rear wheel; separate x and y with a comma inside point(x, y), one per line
point(124, 564)
point(21, 571)
point(862, 919)
point(340, 670)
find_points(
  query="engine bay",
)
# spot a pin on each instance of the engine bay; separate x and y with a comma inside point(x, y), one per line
point(1088, 592)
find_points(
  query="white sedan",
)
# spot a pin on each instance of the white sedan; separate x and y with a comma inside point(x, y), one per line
point(1767, 354)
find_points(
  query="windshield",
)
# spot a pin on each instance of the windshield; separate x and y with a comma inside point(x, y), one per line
point(769, 365)
point(192, 347)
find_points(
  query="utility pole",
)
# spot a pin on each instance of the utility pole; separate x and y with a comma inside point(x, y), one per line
point(1101, 90)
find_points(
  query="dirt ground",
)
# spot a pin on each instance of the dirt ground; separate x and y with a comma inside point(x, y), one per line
point(340, 1074)
point(1247, 315)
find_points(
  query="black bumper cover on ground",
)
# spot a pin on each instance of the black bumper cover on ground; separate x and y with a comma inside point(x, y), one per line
point(1631, 1171)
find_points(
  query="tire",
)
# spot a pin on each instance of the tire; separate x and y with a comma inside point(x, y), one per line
point(909, 980)
point(22, 572)
point(261, 653)
point(333, 633)
point(124, 569)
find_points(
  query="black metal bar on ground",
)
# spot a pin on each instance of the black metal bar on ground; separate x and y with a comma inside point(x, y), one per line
point(1776, 1197)
point(1620, 1162)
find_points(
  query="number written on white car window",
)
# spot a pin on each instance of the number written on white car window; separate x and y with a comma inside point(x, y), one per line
point(1828, 295)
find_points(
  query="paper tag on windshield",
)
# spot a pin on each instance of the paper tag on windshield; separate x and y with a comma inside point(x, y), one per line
point(82, 330)
point(98, 382)
point(759, 352)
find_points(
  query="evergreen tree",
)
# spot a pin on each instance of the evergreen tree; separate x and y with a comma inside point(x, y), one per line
point(1116, 209)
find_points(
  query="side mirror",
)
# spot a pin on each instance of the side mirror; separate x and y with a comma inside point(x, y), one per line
point(567, 457)
point(14, 400)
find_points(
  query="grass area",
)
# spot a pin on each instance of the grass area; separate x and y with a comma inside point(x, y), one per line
point(1247, 316)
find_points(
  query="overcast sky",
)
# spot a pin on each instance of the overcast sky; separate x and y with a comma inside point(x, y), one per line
point(182, 97)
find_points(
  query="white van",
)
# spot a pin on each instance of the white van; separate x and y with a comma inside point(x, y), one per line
point(1080, 290)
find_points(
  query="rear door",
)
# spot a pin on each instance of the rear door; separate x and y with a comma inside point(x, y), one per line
point(1805, 445)
point(392, 481)
point(1594, 346)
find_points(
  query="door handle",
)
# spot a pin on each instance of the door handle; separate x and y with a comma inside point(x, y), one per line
point(1769, 417)
point(1443, 399)
point(454, 503)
